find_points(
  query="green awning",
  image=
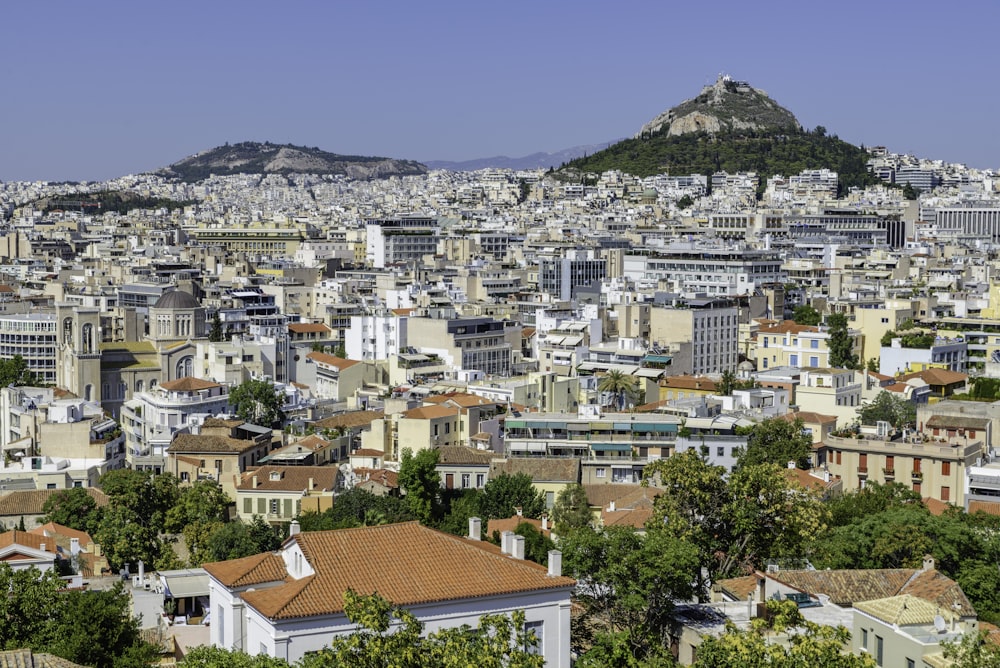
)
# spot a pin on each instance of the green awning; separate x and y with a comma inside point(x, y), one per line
point(611, 447)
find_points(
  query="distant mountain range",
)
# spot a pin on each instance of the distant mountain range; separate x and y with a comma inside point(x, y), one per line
point(267, 158)
point(534, 161)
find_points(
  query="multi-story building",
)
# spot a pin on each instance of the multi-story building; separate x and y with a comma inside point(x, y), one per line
point(562, 277)
point(948, 353)
point(790, 344)
point(470, 344)
point(393, 241)
point(33, 336)
point(377, 335)
point(691, 268)
point(279, 494)
point(705, 331)
point(834, 392)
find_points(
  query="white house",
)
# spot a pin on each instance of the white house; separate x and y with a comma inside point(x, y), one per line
point(288, 603)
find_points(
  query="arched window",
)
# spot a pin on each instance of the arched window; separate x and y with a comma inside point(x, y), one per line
point(139, 386)
point(87, 336)
point(184, 367)
point(68, 331)
point(88, 393)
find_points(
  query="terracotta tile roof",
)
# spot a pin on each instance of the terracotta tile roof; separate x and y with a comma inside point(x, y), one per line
point(308, 327)
point(904, 610)
point(787, 327)
point(384, 477)
point(431, 412)
point(289, 479)
point(26, 658)
point(527, 332)
point(541, 469)
point(248, 571)
point(989, 507)
point(934, 376)
point(57, 531)
point(332, 360)
point(511, 523)
point(628, 517)
point(312, 442)
point(932, 585)
point(198, 443)
point(219, 422)
point(461, 399)
point(807, 480)
point(460, 454)
point(810, 417)
point(188, 384)
point(30, 502)
point(739, 588)
point(935, 506)
point(844, 587)
point(689, 383)
point(25, 539)
point(349, 420)
point(406, 563)
point(958, 422)
point(652, 406)
point(624, 496)
point(368, 452)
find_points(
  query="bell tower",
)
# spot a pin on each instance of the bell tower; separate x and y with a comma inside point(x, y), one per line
point(79, 355)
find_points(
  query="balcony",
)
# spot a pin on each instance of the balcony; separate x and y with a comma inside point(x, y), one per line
point(889, 474)
point(918, 475)
point(862, 470)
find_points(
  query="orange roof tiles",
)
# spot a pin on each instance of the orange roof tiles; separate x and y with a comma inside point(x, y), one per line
point(332, 360)
point(248, 571)
point(289, 479)
point(406, 563)
point(989, 507)
point(31, 502)
point(308, 327)
point(349, 420)
point(431, 412)
point(188, 384)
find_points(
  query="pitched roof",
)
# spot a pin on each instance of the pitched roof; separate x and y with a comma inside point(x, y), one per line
point(196, 443)
point(989, 507)
point(406, 563)
point(541, 469)
point(57, 531)
point(289, 479)
point(511, 523)
point(30, 502)
point(739, 588)
point(686, 382)
point(332, 360)
point(26, 658)
point(627, 517)
point(188, 384)
point(308, 327)
point(253, 570)
point(624, 496)
point(461, 454)
point(904, 610)
point(462, 399)
point(958, 422)
point(935, 376)
point(936, 587)
point(787, 327)
point(349, 420)
point(431, 412)
point(809, 417)
point(25, 539)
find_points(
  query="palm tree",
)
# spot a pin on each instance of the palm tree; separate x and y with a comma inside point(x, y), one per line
point(620, 386)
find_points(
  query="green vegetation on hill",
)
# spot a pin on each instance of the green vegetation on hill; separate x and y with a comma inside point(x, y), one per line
point(767, 152)
point(110, 200)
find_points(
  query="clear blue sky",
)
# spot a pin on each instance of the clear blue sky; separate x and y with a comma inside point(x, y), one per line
point(93, 90)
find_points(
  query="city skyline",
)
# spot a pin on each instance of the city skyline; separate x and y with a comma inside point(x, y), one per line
point(98, 91)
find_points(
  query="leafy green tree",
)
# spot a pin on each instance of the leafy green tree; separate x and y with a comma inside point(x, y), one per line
point(885, 407)
point(238, 539)
point(685, 202)
point(536, 544)
point(777, 441)
point(355, 508)
point(910, 193)
point(621, 387)
point(805, 314)
point(503, 493)
point(461, 505)
point(215, 333)
point(871, 500)
point(873, 365)
point(727, 383)
point(499, 640)
point(840, 343)
point(628, 586)
point(73, 508)
point(420, 480)
point(571, 509)
point(209, 656)
point(14, 371)
point(974, 651)
point(258, 402)
point(812, 644)
point(131, 524)
point(203, 502)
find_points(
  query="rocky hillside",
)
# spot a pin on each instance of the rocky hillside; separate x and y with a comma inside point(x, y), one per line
point(268, 158)
point(727, 105)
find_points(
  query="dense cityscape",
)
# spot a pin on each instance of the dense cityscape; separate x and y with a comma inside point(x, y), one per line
point(707, 418)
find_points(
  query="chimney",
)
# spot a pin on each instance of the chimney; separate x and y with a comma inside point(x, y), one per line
point(294, 528)
point(505, 542)
point(928, 562)
point(555, 563)
point(519, 511)
point(517, 546)
point(253, 481)
point(475, 528)
point(142, 571)
point(791, 464)
point(611, 507)
point(41, 546)
point(545, 522)
point(311, 484)
point(74, 546)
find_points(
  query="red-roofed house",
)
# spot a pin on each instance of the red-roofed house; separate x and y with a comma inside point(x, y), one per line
point(336, 378)
point(291, 603)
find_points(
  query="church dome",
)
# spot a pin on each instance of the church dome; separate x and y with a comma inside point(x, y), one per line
point(176, 299)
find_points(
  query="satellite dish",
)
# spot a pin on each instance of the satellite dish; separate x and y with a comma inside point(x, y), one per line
point(939, 624)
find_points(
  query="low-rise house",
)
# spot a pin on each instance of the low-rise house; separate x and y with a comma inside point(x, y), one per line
point(282, 493)
point(220, 451)
point(289, 603)
point(311, 450)
point(28, 505)
point(462, 467)
point(22, 550)
point(549, 475)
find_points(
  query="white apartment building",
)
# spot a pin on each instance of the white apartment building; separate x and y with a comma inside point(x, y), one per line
point(33, 337)
point(704, 330)
point(690, 268)
point(400, 240)
point(376, 336)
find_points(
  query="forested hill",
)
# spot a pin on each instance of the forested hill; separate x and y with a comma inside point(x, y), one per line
point(767, 152)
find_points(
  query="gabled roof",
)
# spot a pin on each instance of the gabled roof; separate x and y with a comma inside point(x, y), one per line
point(935, 376)
point(349, 420)
point(431, 412)
point(541, 469)
point(308, 327)
point(188, 384)
point(198, 443)
point(25, 539)
point(904, 610)
point(958, 422)
point(289, 479)
point(31, 502)
point(461, 454)
point(248, 571)
point(461, 399)
point(26, 658)
point(53, 530)
point(332, 360)
point(406, 563)
point(624, 496)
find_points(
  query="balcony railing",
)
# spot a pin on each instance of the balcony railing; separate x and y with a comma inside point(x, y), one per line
point(889, 473)
point(863, 470)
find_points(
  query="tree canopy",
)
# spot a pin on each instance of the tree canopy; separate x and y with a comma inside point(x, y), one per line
point(258, 402)
point(805, 314)
point(74, 508)
point(888, 408)
point(777, 441)
point(420, 480)
point(619, 387)
point(14, 371)
point(840, 343)
point(571, 509)
point(504, 493)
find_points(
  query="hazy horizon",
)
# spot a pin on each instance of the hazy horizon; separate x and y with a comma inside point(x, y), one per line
point(110, 88)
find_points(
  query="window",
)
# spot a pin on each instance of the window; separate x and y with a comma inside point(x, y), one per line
point(720, 451)
point(793, 360)
point(945, 468)
point(916, 465)
point(864, 638)
point(600, 473)
point(218, 464)
point(274, 506)
point(534, 630)
point(465, 480)
point(247, 506)
point(814, 344)
point(219, 624)
point(878, 650)
point(946, 493)
point(184, 476)
point(813, 361)
point(550, 499)
point(480, 480)
point(910, 663)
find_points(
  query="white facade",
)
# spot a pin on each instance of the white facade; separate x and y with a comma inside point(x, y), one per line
point(375, 337)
